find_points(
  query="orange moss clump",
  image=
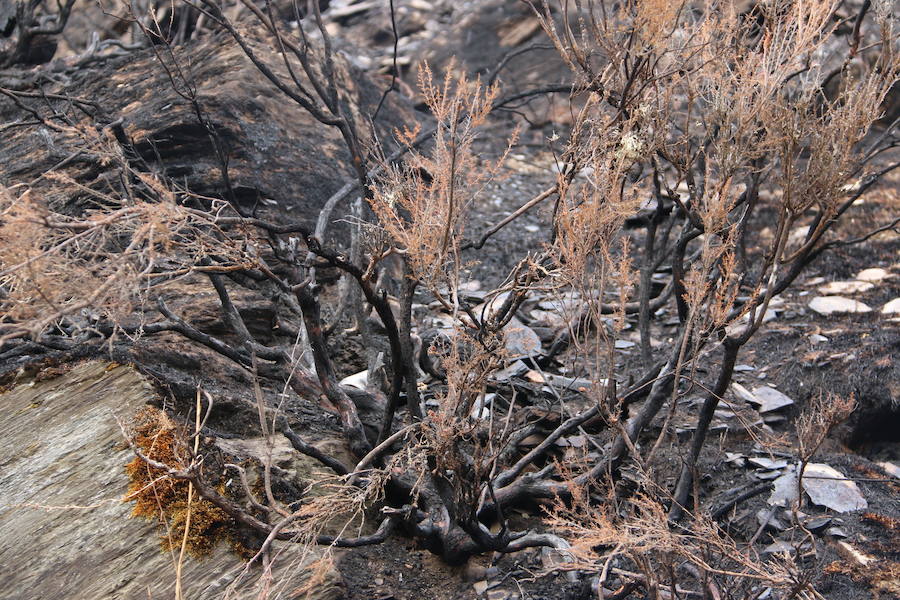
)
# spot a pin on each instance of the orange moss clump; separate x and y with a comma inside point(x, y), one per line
point(151, 489)
point(157, 496)
point(209, 525)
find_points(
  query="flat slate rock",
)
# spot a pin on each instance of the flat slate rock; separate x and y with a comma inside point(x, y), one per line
point(846, 287)
point(785, 491)
point(890, 468)
point(826, 305)
point(768, 399)
point(892, 307)
point(828, 487)
point(520, 340)
point(768, 463)
point(873, 274)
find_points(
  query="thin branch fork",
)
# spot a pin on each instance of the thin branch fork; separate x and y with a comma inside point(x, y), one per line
point(377, 451)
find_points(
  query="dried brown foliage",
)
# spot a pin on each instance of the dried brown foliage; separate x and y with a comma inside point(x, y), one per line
point(664, 558)
point(105, 258)
point(423, 202)
point(693, 125)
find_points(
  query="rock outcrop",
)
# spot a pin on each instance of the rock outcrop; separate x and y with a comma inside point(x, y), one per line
point(67, 533)
point(281, 162)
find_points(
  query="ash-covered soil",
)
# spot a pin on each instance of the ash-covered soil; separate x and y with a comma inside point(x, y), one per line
point(799, 352)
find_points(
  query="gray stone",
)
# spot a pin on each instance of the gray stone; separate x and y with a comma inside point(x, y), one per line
point(499, 593)
point(874, 274)
point(767, 398)
point(357, 380)
point(578, 384)
point(890, 468)
point(785, 492)
point(828, 487)
point(66, 529)
point(818, 525)
point(743, 393)
point(768, 463)
point(846, 287)
point(892, 307)
point(768, 520)
point(735, 458)
point(547, 317)
point(552, 558)
point(778, 547)
point(520, 340)
point(516, 369)
point(827, 305)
